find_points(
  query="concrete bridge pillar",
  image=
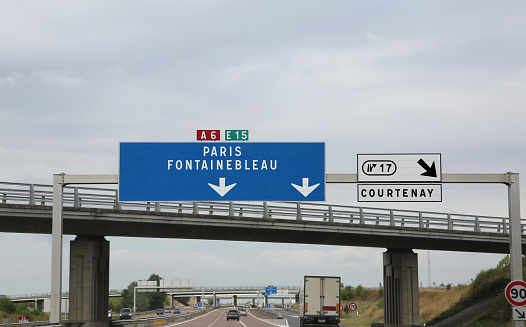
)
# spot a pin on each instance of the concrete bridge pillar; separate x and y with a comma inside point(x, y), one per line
point(89, 282)
point(234, 300)
point(39, 304)
point(401, 288)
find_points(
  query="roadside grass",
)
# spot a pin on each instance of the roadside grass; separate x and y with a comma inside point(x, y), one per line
point(432, 303)
point(33, 315)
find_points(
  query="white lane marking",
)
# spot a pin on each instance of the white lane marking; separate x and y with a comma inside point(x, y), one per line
point(268, 322)
point(206, 314)
point(216, 319)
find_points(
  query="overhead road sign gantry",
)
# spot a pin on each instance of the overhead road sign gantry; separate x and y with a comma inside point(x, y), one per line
point(222, 171)
point(413, 168)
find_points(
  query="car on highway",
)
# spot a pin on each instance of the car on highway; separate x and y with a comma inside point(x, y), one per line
point(177, 310)
point(160, 311)
point(126, 313)
point(168, 310)
point(232, 314)
point(242, 312)
point(280, 315)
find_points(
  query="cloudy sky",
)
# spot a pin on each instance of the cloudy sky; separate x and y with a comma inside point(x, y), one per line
point(77, 78)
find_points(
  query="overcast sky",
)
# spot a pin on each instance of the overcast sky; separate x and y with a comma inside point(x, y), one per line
point(77, 78)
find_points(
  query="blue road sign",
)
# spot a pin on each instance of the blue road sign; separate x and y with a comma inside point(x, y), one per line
point(218, 171)
point(271, 290)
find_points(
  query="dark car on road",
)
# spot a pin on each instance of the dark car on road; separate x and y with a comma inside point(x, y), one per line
point(232, 314)
point(126, 313)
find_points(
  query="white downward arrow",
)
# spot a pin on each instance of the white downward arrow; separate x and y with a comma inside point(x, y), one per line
point(222, 189)
point(305, 189)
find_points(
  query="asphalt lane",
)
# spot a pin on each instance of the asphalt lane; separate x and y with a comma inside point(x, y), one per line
point(217, 318)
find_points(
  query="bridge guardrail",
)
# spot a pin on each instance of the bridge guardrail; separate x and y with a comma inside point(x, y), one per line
point(39, 194)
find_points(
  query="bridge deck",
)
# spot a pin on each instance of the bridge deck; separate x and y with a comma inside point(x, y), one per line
point(26, 208)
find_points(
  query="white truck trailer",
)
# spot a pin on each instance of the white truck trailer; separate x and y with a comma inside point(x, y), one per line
point(319, 300)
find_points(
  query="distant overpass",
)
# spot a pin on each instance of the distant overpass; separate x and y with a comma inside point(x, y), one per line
point(41, 299)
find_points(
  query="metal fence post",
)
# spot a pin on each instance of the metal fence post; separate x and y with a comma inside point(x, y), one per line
point(76, 198)
point(32, 195)
point(230, 208)
point(117, 203)
point(477, 224)
point(298, 211)
point(391, 218)
point(420, 220)
point(265, 210)
point(449, 222)
point(362, 219)
point(331, 217)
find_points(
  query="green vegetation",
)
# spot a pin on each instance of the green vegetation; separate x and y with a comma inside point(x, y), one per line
point(488, 284)
point(8, 309)
point(361, 292)
point(145, 301)
point(438, 305)
point(346, 294)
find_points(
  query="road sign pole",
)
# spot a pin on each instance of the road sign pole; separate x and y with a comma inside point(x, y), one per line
point(515, 232)
point(59, 180)
point(56, 250)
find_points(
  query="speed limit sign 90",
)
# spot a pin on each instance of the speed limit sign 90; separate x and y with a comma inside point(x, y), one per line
point(516, 293)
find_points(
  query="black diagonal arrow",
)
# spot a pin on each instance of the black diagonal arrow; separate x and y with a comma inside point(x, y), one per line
point(522, 315)
point(430, 171)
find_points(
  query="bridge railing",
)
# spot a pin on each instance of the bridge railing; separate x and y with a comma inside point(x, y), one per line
point(39, 194)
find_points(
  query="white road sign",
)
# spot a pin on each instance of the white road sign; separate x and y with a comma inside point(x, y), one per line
point(416, 168)
point(399, 192)
point(519, 313)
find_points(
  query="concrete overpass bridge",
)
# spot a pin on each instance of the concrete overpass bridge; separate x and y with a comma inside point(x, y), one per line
point(42, 300)
point(93, 213)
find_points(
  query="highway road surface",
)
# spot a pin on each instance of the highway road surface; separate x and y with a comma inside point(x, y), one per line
point(217, 318)
point(291, 317)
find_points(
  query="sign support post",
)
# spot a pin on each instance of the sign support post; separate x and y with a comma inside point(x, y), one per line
point(56, 250)
point(59, 181)
point(515, 232)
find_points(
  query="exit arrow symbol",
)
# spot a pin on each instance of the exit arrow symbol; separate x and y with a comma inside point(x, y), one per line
point(222, 189)
point(305, 189)
point(430, 171)
point(521, 314)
